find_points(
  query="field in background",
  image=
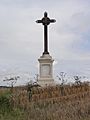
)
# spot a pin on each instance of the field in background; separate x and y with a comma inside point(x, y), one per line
point(49, 103)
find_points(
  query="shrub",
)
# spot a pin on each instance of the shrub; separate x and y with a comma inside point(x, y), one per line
point(5, 105)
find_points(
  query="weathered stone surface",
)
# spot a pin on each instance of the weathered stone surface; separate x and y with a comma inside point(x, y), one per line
point(45, 70)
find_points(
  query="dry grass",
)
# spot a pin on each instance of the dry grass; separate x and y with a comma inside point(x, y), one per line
point(53, 103)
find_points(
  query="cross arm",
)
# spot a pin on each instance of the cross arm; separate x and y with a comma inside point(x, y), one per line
point(52, 20)
point(38, 21)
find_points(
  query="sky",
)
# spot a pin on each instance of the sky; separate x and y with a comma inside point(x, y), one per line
point(21, 38)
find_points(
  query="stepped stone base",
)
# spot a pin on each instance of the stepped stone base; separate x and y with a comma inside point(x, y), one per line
point(46, 82)
point(45, 70)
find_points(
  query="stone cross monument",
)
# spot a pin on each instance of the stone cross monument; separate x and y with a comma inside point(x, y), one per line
point(46, 61)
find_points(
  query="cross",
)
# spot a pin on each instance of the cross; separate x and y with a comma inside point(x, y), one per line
point(46, 21)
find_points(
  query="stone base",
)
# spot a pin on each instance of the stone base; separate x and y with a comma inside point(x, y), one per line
point(45, 70)
point(43, 82)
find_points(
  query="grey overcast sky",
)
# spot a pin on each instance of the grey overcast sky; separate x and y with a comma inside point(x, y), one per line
point(21, 39)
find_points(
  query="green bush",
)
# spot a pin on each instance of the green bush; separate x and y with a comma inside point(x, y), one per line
point(5, 103)
point(7, 112)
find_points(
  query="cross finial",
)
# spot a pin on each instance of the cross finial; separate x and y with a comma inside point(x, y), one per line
point(45, 14)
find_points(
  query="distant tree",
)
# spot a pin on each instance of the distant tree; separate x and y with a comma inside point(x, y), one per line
point(29, 90)
point(11, 81)
point(30, 85)
point(77, 80)
point(62, 78)
point(36, 77)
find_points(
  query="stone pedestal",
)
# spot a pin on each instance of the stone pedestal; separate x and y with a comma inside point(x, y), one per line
point(45, 70)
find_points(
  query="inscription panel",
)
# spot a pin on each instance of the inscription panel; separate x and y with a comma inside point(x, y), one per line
point(45, 70)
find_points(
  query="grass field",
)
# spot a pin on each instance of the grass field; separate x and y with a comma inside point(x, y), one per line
point(50, 103)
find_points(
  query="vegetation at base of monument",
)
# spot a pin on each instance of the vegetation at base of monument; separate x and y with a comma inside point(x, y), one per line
point(46, 103)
